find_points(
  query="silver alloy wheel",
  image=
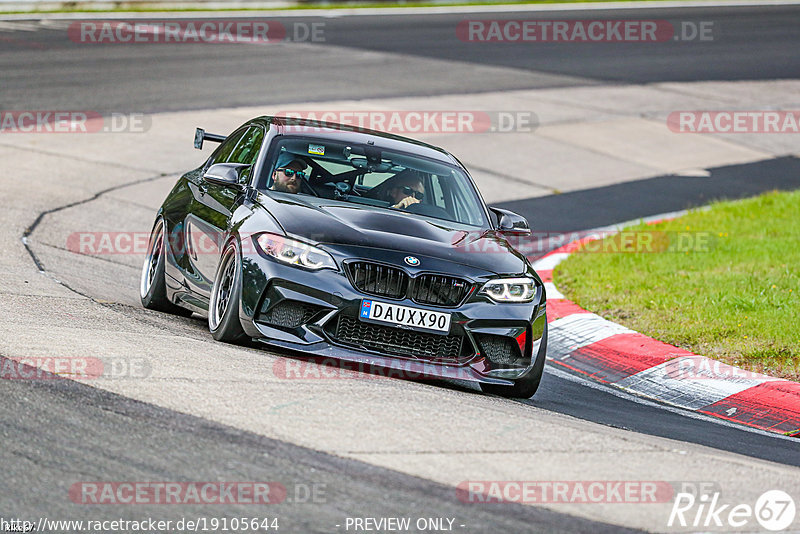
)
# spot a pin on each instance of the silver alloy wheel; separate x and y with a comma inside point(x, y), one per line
point(151, 259)
point(220, 299)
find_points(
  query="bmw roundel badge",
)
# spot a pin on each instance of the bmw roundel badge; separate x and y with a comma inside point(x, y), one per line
point(411, 260)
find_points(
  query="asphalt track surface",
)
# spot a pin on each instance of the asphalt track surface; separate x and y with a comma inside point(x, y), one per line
point(174, 446)
point(45, 70)
point(48, 443)
point(613, 204)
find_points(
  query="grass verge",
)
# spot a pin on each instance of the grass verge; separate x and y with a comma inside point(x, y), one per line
point(722, 283)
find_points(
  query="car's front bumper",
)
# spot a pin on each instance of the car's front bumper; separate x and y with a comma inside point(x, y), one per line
point(328, 296)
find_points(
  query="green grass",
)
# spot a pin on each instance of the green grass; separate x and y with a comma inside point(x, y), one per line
point(400, 4)
point(736, 299)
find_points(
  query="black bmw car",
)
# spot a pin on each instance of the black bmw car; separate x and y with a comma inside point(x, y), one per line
point(353, 244)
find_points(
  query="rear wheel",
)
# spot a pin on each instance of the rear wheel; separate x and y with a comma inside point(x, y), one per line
point(223, 308)
point(153, 288)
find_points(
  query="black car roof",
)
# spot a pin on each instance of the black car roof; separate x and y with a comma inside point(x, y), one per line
point(356, 135)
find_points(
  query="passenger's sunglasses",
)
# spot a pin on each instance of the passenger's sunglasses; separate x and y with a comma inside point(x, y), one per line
point(407, 191)
point(291, 172)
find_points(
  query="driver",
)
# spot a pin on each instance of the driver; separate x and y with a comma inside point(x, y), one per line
point(407, 191)
point(287, 178)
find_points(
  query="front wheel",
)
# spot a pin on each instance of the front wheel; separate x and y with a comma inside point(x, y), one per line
point(152, 287)
point(223, 308)
point(523, 388)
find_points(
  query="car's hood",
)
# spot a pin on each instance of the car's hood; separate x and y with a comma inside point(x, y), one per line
point(337, 224)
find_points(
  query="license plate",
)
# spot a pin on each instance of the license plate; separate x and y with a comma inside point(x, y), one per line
point(396, 315)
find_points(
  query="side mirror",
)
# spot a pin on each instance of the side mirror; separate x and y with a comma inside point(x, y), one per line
point(227, 174)
point(509, 222)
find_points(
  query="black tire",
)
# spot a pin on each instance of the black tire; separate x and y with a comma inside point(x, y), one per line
point(223, 307)
point(525, 387)
point(152, 287)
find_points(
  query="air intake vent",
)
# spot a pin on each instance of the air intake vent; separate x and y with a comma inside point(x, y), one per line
point(400, 342)
point(500, 350)
point(288, 314)
point(439, 290)
point(379, 280)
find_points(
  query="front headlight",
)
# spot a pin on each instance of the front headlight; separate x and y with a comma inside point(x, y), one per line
point(510, 289)
point(293, 252)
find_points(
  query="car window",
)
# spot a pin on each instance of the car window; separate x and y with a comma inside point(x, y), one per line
point(222, 153)
point(369, 175)
point(247, 149)
point(249, 145)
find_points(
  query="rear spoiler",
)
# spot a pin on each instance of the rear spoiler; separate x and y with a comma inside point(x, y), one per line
point(201, 135)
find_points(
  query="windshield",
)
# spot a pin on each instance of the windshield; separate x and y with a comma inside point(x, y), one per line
point(364, 174)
